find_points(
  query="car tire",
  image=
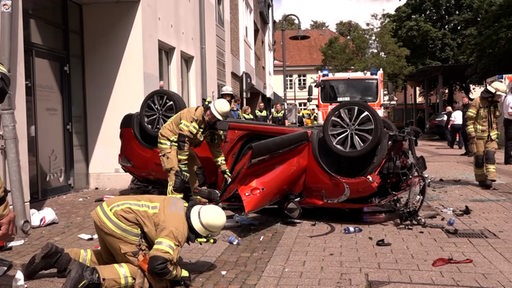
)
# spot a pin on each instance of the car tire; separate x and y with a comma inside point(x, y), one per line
point(158, 107)
point(352, 129)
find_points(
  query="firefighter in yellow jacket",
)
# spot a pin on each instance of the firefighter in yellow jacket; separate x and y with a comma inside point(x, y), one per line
point(187, 129)
point(7, 217)
point(482, 129)
point(140, 238)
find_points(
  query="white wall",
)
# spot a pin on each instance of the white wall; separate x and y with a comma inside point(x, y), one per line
point(114, 83)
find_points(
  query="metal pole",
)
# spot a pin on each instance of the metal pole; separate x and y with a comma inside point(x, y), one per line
point(8, 120)
point(284, 60)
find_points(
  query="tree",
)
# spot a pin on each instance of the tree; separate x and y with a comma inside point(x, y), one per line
point(290, 23)
point(491, 42)
point(455, 32)
point(318, 25)
point(385, 52)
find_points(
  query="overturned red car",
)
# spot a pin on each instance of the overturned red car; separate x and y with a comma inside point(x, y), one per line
point(355, 159)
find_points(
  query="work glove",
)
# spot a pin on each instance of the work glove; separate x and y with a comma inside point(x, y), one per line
point(227, 176)
point(185, 278)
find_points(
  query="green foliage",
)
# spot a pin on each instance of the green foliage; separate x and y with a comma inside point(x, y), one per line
point(456, 32)
point(318, 25)
point(289, 24)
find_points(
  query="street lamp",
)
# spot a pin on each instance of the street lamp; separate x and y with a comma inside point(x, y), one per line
point(299, 36)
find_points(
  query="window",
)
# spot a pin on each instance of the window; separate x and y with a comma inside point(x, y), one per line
point(164, 66)
point(289, 81)
point(219, 15)
point(301, 81)
point(186, 65)
point(248, 22)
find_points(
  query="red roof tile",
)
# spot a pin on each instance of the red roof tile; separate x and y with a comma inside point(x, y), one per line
point(304, 52)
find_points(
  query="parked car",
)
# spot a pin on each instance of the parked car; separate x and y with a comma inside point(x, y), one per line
point(435, 125)
point(354, 160)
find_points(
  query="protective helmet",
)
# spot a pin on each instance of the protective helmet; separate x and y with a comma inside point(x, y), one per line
point(220, 108)
point(207, 220)
point(312, 107)
point(498, 88)
point(226, 90)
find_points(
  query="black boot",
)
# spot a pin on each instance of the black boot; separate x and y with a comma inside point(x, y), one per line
point(485, 184)
point(80, 275)
point(51, 256)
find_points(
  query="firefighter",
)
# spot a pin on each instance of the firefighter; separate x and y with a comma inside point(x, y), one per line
point(187, 129)
point(314, 115)
point(261, 113)
point(278, 116)
point(482, 129)
point(227, 93)
point(140, 237)
point(305, 118)
point(7, 216)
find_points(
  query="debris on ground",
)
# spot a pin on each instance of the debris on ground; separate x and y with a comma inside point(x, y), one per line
point(44, 217)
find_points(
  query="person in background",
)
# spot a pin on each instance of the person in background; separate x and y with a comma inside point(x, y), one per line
point(235, 109)
point(141, 237)
point(463, 132)
point(7, 217)
point(507, 124)
point(304, 117)
point(246, 113)
point(261, 113)
point(455, 128)
point(314, 115)
point(278, 116)
point(185, 130)
point(447, 117)
point(227, 93)
point(482, 127)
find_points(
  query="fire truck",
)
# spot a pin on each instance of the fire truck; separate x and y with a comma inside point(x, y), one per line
point(334, 88)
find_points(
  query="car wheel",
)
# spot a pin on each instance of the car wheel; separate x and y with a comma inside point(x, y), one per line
point(352, 129)
point(158, 107)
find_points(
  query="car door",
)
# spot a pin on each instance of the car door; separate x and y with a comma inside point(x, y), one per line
point(270, 170)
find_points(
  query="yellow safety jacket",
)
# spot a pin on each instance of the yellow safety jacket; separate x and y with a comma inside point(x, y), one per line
point(482, 119)
point(190, 122)
point(159, 220)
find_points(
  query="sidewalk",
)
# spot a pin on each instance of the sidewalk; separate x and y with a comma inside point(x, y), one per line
point(314, 252)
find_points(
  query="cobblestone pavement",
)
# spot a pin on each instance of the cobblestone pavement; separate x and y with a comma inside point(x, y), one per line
point(314, 252)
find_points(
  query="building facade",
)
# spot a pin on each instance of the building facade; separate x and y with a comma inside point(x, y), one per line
point(78, 66)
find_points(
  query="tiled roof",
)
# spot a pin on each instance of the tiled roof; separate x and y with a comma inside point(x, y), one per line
point(304, 52)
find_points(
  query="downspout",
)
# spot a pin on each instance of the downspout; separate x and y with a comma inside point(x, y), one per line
point(202, 39)
point(8, 121)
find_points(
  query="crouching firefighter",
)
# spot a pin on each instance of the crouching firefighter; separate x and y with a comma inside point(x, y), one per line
point(140, 238)
point(185, 130)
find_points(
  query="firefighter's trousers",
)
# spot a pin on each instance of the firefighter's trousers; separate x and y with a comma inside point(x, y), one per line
point(116, 261)
point(169, 159)
point(484, 164)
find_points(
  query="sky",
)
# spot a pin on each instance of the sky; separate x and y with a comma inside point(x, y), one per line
point(333, 11)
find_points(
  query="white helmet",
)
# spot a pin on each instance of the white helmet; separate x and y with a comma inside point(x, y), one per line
point(207, 220)
point(220, 108)
point(498, 88)
point(226, 90)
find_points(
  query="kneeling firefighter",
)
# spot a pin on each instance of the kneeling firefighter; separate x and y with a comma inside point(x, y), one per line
point(140, 237)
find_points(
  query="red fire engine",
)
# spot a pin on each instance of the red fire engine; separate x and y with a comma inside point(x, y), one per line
point(334, 88)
